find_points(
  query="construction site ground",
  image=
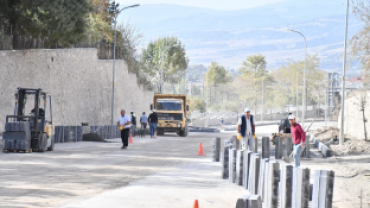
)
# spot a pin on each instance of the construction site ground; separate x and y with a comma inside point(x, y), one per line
point(156, 173)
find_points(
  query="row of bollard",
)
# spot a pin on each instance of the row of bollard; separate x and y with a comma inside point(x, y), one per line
point(66, 134)
point(271, 183)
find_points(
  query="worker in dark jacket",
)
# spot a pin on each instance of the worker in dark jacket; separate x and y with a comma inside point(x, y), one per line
point(153, 120)
point(133, 121)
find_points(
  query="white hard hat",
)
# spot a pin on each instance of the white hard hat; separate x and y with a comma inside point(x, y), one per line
point(246, 110)
point(153, 110)
point(291, 116)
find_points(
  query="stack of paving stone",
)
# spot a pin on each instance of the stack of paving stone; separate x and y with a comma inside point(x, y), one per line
point(66, 134)
point(322, 193)
point(225, 162)
point(23, 139)
point(301, 187)
point(254, 170)
point(239, 168)
point(246, 163)
point(262, 181)
point(216, 149)
point(59, 134)
point(249, 201)
point(273, 185)
point(286, 183)
point(232, 165)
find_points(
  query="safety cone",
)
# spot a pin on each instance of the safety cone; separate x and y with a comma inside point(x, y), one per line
point(200, 152)
point(196, 204)
point(131, 140)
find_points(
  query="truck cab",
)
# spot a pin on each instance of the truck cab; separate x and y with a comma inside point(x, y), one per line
point(172, 114)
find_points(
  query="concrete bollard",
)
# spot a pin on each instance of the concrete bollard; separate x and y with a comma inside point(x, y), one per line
point(246, 163)
point(249, 201)
point(265, 184)
point(286, 185)
point(239, 168)
point(323, 186)
point(232, 165)
point(242, 201)
point(261, 177)
point(273, 185)
point(225, 163)
point(288, 146)
point(216, 148)
point(278, 148)
point(301, 187)
point(265, 147)
point(254, 170)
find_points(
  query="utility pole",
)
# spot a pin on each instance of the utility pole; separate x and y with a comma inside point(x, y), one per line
point(263, 78)
point(116, 13)
point(341, 137)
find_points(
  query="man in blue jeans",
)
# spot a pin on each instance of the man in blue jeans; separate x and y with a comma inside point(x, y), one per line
point(153, 120)
point(299, 139)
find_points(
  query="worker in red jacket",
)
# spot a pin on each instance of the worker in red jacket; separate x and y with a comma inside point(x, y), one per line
point(299, 139)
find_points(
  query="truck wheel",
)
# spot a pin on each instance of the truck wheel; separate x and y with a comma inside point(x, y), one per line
point(51, 148)
point(184, 133)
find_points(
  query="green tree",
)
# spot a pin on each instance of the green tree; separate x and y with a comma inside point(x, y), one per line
point(165, 60)
point(254, 75)
point(360, 42)
point(196, 72)
point(217, 75)
point(61, 21)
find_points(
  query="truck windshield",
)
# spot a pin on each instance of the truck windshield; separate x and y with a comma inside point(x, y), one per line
point(168, 105)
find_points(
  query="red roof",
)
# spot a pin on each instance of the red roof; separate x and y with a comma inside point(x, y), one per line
point(356, 79)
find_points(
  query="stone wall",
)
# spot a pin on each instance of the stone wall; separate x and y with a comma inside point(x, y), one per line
point(80, 85)
point(353, 117)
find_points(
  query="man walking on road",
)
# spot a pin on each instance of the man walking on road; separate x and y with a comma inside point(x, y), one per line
point(144, 121)
point(153, 120)
point(133, 120)
point(299, 139)
point(246, 128)
point(124, 121)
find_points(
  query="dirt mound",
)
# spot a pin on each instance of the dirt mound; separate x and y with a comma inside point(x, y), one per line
point(93, 137)
point(330, 137)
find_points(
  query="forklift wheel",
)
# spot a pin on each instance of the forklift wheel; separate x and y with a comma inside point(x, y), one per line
point(42, 143)
point(51, 148)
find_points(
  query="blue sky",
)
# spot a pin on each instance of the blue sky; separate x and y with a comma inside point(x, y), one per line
point(211, 4)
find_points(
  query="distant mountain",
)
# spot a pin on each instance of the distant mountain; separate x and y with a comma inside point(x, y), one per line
point(229, 36)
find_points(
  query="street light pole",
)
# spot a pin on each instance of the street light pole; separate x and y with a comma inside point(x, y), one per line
point(304, 79)
point(114, 53)
point(341, 138)
point(296, 99)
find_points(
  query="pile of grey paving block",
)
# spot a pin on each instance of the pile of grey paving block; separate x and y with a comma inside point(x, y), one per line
point(17, 136)
point(324, 149)
point(254, 170)
point(239, 168)
point(232, 165)
point(271, 183)
point(322, 193)
point(225, 160)
point(216, 149)
point(249, 201)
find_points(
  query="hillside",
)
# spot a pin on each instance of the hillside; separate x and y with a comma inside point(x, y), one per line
point(229, 36)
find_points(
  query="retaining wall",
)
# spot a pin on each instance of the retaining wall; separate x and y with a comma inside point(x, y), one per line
point(80, 85)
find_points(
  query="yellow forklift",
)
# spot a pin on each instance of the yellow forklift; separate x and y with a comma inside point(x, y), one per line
point(32, 132)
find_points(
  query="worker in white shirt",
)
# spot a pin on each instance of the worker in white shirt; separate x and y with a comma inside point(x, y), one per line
point(124, 121)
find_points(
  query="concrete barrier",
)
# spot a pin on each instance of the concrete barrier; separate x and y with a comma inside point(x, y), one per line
point(225, 161)
point(239, 168)
point(246, 164)
point(323, 186)
point(301, 187)
point(232, 165)
point(254, 170)
point(265, 147)
point(286, 185)
point(216, 149)
point(249, 201)
point(278, 148)
point(273, 184)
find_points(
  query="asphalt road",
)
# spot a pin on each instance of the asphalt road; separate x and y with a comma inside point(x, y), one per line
point(155, 173)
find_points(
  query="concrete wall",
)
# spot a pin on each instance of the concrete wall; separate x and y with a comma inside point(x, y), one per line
point(353, 117)
point(80, 84)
